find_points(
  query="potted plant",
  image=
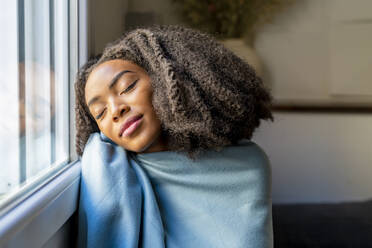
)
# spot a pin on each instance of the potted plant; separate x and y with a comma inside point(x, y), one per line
point(234, 22)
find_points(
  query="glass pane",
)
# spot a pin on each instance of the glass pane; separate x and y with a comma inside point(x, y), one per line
point(61, 77)
point(37, 84)
point(9, 124)
point(34, 78)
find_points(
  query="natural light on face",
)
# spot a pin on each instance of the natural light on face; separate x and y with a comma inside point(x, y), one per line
point(117, 91)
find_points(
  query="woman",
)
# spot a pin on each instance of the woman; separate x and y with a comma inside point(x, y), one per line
point(163, 119)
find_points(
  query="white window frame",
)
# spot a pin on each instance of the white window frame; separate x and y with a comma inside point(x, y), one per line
point(31, 220)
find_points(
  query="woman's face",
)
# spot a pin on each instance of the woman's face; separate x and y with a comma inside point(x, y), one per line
point(118, 94)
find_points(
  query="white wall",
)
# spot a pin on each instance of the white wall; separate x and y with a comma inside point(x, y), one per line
point(319, 52)
point(319, 157)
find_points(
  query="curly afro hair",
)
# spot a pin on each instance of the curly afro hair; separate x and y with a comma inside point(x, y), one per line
point(204, 95)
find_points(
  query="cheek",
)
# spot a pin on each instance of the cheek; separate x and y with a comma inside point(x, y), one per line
point(105, 127)
point(149, 108)
point(144, 95)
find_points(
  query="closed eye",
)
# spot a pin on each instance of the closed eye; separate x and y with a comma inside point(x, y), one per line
point(129, 87)
point(100, 114)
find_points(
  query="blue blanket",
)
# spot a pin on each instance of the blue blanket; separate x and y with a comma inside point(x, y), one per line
point(164, 199)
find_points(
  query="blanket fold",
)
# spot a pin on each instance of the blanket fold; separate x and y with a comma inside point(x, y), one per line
point(164, 199)
point(117, 206)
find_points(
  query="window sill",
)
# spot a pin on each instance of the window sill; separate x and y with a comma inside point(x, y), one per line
point(34, 221)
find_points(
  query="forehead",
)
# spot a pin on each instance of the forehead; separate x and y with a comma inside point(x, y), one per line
point(107, 70)
point(102, 75)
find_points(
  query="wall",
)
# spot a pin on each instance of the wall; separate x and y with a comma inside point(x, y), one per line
point(319, 52)
point(107, 22)
point(163, 11)
point(319, 157)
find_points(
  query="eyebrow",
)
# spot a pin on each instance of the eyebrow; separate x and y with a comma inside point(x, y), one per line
point(111, 85)
point(116, 78)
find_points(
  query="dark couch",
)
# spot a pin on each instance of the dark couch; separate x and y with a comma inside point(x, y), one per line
point(338, 225)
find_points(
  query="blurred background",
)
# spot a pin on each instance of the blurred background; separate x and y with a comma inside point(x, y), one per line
point(315, 56)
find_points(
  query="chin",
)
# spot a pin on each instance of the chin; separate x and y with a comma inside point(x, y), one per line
point(148, 143)
point(137, 145)
point(144, 148)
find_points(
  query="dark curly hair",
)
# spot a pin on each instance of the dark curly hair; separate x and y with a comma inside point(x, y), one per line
point(204, 95)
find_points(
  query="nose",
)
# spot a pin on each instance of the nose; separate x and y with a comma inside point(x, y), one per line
point(118, 110)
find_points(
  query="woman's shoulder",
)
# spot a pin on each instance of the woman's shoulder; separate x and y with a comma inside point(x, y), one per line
point(245, 153)
point(245, 149)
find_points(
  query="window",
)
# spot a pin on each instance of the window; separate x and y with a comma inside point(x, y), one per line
point(36, 64)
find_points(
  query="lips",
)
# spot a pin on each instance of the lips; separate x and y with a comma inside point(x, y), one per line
point(128, 123)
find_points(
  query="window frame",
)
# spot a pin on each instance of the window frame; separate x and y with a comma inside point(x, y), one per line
point(35, 220)
point(26, 220)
